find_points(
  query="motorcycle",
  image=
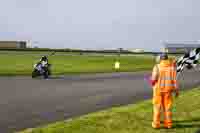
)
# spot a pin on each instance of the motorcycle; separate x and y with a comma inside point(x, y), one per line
point(40, 70)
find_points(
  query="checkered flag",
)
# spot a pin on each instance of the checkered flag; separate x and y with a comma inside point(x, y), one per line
point(189, 60)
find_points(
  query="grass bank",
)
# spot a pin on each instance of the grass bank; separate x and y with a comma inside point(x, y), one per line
point(135, 118)
point(21, 63)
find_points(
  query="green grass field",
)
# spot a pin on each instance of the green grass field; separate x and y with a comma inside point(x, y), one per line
point(135, 118)
point(21, 63)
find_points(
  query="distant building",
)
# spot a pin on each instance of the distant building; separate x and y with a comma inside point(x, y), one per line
point(137, 50)
point(28, 44)
point(180, 47)
point(13, 44)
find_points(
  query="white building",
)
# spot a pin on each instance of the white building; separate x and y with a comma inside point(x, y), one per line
point(29, 44)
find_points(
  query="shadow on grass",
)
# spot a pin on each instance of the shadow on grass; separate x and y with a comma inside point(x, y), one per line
point(187, 126)
point(192, 123)
point(190, 120)
point(181, 124)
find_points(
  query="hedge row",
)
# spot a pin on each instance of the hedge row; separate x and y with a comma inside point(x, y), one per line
point(80, 51)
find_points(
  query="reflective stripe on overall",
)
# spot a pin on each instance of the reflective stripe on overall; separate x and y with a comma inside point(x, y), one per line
point(167, 78)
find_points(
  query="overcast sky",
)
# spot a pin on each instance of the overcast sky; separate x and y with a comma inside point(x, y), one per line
point(100, 23)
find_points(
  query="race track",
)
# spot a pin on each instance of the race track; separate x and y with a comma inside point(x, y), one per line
point(26, 102)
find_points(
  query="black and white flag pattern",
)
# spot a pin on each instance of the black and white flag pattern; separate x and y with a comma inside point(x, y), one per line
point(189, 60)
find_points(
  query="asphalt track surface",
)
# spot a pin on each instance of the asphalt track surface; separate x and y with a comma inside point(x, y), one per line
point(27, 103)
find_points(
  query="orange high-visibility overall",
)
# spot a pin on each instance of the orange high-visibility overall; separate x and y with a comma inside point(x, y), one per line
point(165, 74)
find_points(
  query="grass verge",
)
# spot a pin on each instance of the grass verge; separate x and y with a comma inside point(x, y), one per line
point(13, 63)
point(135, 118)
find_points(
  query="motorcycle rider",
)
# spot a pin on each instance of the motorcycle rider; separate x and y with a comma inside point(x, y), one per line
point(44, 61)
point(42, 66)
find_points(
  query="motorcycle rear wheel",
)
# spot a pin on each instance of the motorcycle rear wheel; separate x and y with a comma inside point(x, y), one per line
point(35, 74)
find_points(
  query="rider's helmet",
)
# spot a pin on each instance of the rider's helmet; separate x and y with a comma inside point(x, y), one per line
point(44, 58)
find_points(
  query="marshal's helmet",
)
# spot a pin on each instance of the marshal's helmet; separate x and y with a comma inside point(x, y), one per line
point(164, 56)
